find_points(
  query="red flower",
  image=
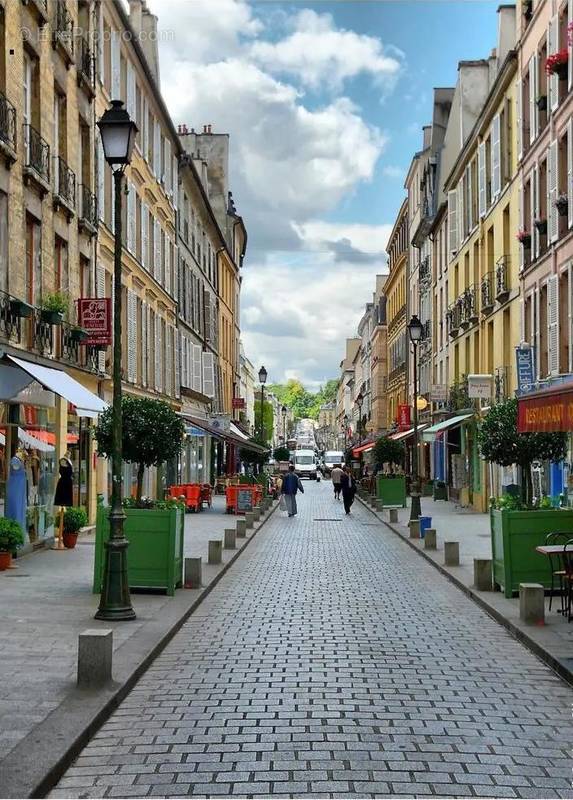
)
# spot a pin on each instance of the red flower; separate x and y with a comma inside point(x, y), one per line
point(556, 60)
point(522, 235)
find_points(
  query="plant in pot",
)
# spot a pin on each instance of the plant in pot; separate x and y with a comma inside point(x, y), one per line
point(556, 63)
point(542, 102)
point(562, 204)
point(390, 487)
point(541, 225)
point(75, 518)
point(524, 238)
point(21, 309)
point(54, 307)
point(78, 334)
point(11, 539)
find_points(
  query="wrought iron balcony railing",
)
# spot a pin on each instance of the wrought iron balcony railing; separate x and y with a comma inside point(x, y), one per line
point(37, 153)
point(41, 334)
point(487, 292)
point(86, 62)
point(88, 212)
point(468, 307)
point(425, 270)
point(63, 27)
point(454, 318)
point(502, 279)
point(501, 384)
point(7, 123)
point(65, 181)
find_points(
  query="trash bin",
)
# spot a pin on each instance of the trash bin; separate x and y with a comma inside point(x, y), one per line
point(425, 523)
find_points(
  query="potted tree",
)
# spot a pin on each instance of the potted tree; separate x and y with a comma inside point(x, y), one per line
point(11, 539)
point(54, 307)
point(518, 525)
point(74, 519)
point(152, 434)
point(390, 487)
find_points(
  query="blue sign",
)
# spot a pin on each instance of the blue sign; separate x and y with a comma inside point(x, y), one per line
point(525, 379)
point(191, 430)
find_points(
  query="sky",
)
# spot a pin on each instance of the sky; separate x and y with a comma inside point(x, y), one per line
point(324, 103)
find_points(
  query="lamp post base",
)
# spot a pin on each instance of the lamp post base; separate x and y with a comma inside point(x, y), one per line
point(415, 505)
point(115, 602)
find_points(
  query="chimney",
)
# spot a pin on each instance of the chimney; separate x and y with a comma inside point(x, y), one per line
point(144, 25)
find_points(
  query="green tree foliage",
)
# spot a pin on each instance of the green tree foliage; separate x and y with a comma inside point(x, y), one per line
point(281, 454)
point(152, 434)
point(252, 458)
point(302, 402)
point(387, 451)
point(268, 418)
point(500, 443)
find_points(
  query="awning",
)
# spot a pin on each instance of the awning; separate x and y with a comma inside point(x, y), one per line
point(233, 436)
point(401, 435)
point(29, 441)
point(430, 434)
point(202, 424)
point(363, 448)
point(547, 411)
point(86, 403)
point(238, 433)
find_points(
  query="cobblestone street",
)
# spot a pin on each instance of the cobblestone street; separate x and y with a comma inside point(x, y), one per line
point(332, 660)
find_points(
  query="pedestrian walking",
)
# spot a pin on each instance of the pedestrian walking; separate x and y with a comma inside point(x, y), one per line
point(348, 486)
point(336, 476)
point(291, 485)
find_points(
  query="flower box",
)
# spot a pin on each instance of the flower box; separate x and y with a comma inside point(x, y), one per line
point(541, 225)
point(557, 63)
point(391, 490)
point(51, 317)
point(524, 238)
point(562, 204)
point(155, 552)
point(78, 334)
point(514, 537)
point(21, 309)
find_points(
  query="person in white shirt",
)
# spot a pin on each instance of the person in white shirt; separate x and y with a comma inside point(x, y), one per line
point(336, 475)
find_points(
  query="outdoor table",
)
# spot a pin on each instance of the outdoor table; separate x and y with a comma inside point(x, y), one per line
point(557, 550)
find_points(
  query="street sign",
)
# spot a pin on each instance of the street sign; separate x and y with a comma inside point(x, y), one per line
point(524, 358)
point(480, 386)
point(238, 402)
point(438, 393)
point(94, 316)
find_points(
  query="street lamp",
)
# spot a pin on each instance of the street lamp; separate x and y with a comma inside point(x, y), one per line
point(284, 413)
point(117, 133)
point(415, 331)
point(359, 401)
point(345, 423)
point(262, 380)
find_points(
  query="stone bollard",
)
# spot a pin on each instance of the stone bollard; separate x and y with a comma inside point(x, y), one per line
point(249, 519)
point(241, 528)
point(215, 551)
point(452, 554)
point(430, 539)
point(414, 526)
point(393, 515)
point(193, 573)
point(230, 538)
point(379, 504)
point(257, 513)
point(95, 654)
point(532, 603)
point(482, 574)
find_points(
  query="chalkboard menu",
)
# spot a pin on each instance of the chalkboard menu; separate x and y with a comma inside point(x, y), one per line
point(244, 500)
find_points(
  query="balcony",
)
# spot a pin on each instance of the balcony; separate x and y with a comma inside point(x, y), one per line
point(71, 350)
point(11, 317)
point(425, 272)
point(501, 384)
point(396, 373)
point(65, 187)
point(86, 68)
point(37, 159)
point(63, 33)
point(468, 307)
point(41, 334)
point(487, 293)
point(88, 212)
point(7, 130)
point(502, 279)
point(424, 226)
point(454, 318)
point(41, 9)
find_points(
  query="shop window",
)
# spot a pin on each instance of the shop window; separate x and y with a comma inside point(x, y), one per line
point(3, 242)
point(61, 265)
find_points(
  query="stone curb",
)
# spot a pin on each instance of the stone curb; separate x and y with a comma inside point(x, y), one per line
point(35, 765)
point(562, 669)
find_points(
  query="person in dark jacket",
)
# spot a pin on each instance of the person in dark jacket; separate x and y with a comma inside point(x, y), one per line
point(348, 486)
point(291, 485)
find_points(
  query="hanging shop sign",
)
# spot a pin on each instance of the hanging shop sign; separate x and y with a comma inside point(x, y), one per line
point(238, 402)
point(480, 386)
point(438, 393)
point(220, 422)
point(404, 417)
point(545, 412)
point(94, 316)
point(524, 360)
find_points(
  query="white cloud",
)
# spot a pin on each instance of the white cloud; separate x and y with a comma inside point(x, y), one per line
point(318, 54)
point(393, 171)
point(367, 239)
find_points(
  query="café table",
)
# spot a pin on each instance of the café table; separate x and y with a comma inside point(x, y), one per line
point(561, 551)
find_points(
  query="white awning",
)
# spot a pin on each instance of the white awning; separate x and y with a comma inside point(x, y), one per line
point(399, 437)
point(30, 441)
point(238, 432)
point(86, 403)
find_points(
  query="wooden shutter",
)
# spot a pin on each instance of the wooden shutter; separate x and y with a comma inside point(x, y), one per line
point(533, 94)
point(570, 170)
point(131, 336)
point(168, 348)
point(177, 361)
point(553, 324)
point(496, 156)
point(100, 60)
point(570, 45)
point(521, 224)
point(470, 208)
point(537, 209)
point(482, 198)
point(552, 47)
point(157, 353)
point(453, 221)
point(460, 212)
point(175, 180)
point(552, 178)
point(130, 104)
point(100, 180)
point(197, 369)
point(167, 168)
point(157, 250)
point(518, 119)
point(144, 348)
point(145, 133)
point(208, 375)
point(157, 149)
point(144, 235)
point(207, 315)
point(168, 265)
point(100, 292)
point(175, 270)
point(533, 214)
point(115, 66)
point(131, 232)
point(183, 348)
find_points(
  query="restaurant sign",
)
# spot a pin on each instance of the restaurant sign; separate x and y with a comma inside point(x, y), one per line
point(404, 423)
point(545, 413)
point(94, 316)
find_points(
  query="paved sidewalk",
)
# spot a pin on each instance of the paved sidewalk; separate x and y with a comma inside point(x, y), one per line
point(47, 601)
point(472, 531)
point(335, 662)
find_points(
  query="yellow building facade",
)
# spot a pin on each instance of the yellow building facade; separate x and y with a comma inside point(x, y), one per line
point(395, 291)
point(483, 316)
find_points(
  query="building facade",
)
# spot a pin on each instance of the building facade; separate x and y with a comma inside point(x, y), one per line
point(379, 359)
point(395, 292)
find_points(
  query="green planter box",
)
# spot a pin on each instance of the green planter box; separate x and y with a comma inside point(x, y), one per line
point(392, 491)
point(427, 489)
point(440, 492)
point(155, 553)
point(514, 537)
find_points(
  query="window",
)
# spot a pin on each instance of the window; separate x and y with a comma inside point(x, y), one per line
point(3, 242)
point(61, 267)
point(33, 275)
point(2, 52)
point(85, 155)
point(138, 241)
point(85, 274)
point(31, 107)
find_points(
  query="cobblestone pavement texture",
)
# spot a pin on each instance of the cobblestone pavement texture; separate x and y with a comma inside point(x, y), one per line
point(335, 662)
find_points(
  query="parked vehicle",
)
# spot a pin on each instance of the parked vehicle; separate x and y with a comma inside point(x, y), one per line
point(331, 458)
point(305, 464)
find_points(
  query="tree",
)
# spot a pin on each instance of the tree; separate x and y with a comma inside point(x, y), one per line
point(152, 434)
point(248, 456)
point(387, 451)
point(268, 418)
point(281, 454)
point(500, 443)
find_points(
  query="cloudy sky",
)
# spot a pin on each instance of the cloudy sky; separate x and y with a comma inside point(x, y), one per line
point(324, 103)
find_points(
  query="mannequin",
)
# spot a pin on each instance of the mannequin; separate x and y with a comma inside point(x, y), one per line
point(64, 496)
point(16, 490)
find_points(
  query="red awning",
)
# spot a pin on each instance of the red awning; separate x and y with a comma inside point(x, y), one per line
point(547, 411)
point(363, 448)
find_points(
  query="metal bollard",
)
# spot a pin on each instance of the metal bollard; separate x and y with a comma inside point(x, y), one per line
point(193, 572)
point(452, 554)
point(230, 539)
point(430, 539)
point(532, 603)
point(483, 578)
point(95, 655)
point(215, 551)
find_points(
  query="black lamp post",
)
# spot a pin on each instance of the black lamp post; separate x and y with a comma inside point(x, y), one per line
point(262, 381)
point(415, 331)
point(117, 133)
point(284, 413)
point(345, 424)
point(359, 401)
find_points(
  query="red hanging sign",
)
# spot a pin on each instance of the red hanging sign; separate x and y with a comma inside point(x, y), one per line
point(94, 316)
point(404, 423)
point(238, 402)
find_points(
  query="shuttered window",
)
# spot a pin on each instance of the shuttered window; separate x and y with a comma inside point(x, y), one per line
point(131, 336)
point(208, 375)
point(453, 221)
point(553, 324)
point(570, 171)
point(197, 369)
point(552, 178)
point(115, 66)
point(495, 157)
point(552, 48)
point(518, 119)
point(100, 292)
point(482, 201)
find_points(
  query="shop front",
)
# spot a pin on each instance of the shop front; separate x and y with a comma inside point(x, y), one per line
point(455, 461)
point(46, 420)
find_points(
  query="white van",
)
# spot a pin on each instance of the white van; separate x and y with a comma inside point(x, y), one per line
point(331, 458)
point(305, 464)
